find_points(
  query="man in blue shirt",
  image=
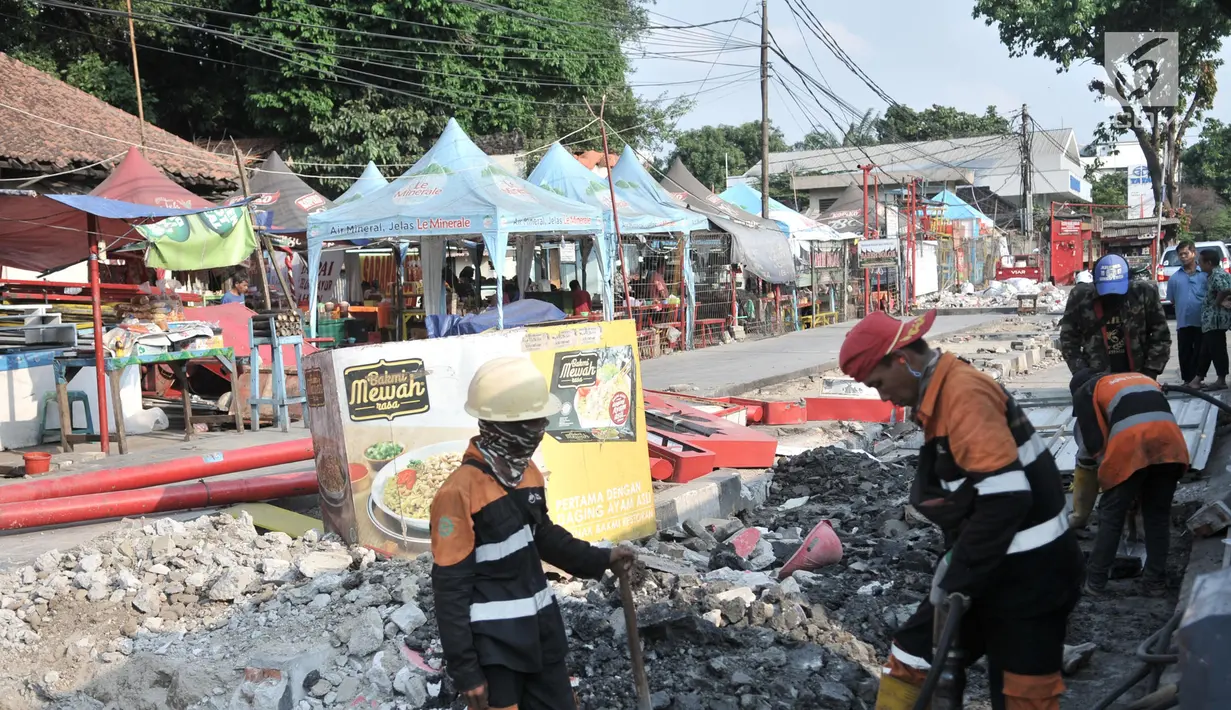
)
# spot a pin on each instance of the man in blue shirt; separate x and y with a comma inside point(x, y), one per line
point(1186, 291)
point(239, 290)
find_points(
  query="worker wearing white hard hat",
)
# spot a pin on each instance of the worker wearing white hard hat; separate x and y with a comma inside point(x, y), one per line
point(501, 629)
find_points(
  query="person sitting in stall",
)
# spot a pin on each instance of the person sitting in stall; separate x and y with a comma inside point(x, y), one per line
point(465, 283)
point(372, 292)
point(581, 299)
point(239, 290)
point(658, 284)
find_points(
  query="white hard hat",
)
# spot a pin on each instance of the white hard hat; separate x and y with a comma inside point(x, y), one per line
point(510, 389)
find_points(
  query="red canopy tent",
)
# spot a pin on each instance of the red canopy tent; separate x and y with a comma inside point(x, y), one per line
point(136, 180)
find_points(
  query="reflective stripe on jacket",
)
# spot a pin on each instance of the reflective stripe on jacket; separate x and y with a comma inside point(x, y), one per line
point(1124, 422)
point(989, 481)
point(493, 604)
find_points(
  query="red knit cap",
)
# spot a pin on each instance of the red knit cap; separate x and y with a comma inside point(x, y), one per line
point(877, 335)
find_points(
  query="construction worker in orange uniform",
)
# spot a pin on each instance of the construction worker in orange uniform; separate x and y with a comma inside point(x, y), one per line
point(500, 626)
point(987, 479)
point(1130, 445)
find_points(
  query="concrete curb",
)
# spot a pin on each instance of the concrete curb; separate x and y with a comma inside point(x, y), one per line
point(719, 494)
point(820, 368)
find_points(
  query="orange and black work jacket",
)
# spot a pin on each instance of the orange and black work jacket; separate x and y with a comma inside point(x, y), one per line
point(1125, 424)
point(990, 483)
point(493, 604)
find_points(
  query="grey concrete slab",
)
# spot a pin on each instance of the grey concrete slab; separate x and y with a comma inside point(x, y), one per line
point(727, 370)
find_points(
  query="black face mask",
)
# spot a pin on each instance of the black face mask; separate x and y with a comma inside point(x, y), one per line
point(508, 446)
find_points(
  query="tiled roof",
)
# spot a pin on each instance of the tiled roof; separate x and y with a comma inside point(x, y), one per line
point(592, 158)
point(47, 125)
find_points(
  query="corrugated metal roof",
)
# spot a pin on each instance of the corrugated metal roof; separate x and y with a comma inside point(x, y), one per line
point(1051, 413)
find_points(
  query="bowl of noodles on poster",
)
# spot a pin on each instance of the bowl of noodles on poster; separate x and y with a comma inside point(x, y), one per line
point(403, 490)
point(596, 390)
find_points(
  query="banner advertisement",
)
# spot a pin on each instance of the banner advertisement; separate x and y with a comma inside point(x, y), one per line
point(388, 427)
point(878, 253)
point(206, 240)
point(1140, 192)
point(328, 277)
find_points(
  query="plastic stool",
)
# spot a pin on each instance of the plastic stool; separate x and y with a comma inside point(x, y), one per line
point(73, 396)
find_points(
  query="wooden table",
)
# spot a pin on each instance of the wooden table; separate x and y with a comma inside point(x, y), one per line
point(115, 366)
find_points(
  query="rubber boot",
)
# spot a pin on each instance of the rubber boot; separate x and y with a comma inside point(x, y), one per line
point(896, 694)
point(1085, 490)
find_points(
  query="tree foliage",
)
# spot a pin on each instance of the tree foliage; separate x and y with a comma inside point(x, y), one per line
point(350, 81)
point(1207, 163)
point(711, 151)
point(1072, 33)
point(1108, 188)
point(902, 124)
point(1209, 215)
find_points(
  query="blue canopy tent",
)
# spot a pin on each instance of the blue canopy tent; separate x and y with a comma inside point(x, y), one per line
point(955, 208)
point(454, 190)
point(370, 180)
point(799, 228)
point(561, 173)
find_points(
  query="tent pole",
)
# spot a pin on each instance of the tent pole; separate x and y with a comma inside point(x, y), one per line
point(100, 358)
point(260, 259)
point(400, 297)
point(615, 216)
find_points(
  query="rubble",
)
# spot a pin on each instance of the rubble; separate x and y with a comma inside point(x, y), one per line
point(998, 294)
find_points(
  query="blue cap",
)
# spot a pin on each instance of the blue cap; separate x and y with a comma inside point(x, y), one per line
point(1111, 275)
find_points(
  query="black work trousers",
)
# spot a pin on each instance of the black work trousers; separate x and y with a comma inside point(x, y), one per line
point(1155, 486)
point(549, 689)
point(1025, 646)
point(1188, 350)
point(1213, 349)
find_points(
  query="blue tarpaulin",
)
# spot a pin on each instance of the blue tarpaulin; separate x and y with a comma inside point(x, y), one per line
point(561, 173)
point(956, 208)
point(455, 189)
point(525, 312)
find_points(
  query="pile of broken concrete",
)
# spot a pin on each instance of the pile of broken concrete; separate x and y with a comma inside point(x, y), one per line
point(211, 614)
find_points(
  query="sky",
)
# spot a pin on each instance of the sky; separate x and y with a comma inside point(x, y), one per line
point(919, 53)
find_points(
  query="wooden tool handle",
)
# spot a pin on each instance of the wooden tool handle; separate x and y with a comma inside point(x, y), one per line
point(634, 641)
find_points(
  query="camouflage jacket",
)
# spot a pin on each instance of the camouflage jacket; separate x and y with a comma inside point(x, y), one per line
point(1145, 328)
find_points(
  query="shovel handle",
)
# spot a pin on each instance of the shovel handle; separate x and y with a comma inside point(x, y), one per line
point(634, 641)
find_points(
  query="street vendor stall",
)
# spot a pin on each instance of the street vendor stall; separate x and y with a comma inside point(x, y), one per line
point(818, 251)
point(454, 190)
point(759, 247)
point(43, 232)
point(281, 202)
point(633, 213)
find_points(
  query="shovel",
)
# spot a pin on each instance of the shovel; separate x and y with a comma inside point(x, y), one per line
point(1131, 553)
point(634, 641)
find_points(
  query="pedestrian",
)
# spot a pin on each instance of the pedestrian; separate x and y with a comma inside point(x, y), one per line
point(500, 626)
point(1215, 321)
point(1115, 324)
point(987, 479)
point(581, 297)
point(239, 289)
point(1186, 291)
point(1126, 432)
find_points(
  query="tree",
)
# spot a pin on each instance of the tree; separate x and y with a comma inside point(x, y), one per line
point(350, 81)
point(862, 132)
point(817, 140)
point(902, 124)
point(1209, 216)
point(1208, 162)
point(1109, 188)
point(711, 151)
point(1074, 32)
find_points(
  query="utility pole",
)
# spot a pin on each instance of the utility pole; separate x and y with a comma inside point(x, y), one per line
point(132, 42)
point(765, 109)
point(1027, 175)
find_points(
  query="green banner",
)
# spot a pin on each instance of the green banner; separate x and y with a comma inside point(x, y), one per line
point(206, 240)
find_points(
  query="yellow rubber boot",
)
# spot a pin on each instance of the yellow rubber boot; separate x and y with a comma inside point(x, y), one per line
point(896, 694)
point(1085, 490)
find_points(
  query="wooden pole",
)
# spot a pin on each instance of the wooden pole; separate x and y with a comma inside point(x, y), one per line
point(132, 42)
point(100, 356)
point(260, 258)
point(615, 214)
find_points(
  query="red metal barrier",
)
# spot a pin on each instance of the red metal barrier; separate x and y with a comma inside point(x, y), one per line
point(154, 474)
point(165, 499)
point(852, 409)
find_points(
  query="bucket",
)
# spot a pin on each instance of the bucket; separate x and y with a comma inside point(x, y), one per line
point(821, 547)
point(37, 462)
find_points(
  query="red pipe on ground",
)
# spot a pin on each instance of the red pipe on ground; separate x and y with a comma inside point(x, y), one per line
point(155, 474)
point(165, 499)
